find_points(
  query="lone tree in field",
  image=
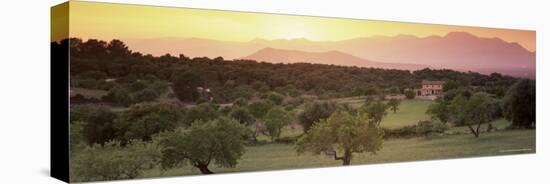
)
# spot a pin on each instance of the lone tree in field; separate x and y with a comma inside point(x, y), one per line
point(275, 120)
point(519, 104)
point(394, 104)
point(217, 141)
point(341, 135)
point(474, 111)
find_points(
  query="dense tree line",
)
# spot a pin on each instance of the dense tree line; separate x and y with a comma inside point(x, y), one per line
point(93, 61)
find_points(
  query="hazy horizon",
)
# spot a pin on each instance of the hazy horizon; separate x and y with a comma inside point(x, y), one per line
point(107, 21)
point(233, 35)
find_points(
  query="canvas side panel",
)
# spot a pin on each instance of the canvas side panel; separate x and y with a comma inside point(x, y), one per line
point(59, 104)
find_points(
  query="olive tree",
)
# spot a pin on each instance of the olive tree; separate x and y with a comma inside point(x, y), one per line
point(203, 111)
point(275, 120)
point(375, 111)
point(394, 104)
point(217, 141)
point(95, 125)
point(314, 112)
point(410, 94)
point(185, 85)
point(242, 115)
point(113, 161)
point(519, 104)
point(342, 134)
point(475, 111)
point(141, 121)
point(440, 110)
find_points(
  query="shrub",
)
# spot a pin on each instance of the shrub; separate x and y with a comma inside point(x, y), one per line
point(120, 96)
point(409, 94)
point(145, 95)
point(427, 128)
point(240, 102)
point(402, 132)
point(276, 98)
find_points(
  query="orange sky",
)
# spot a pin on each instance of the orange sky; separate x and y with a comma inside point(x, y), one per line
point(107, 21)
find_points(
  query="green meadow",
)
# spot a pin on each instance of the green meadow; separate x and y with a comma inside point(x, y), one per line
point(457, 143)
point(284, 156)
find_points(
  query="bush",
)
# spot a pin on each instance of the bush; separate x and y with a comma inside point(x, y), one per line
point(120, 96)
point(145, 95)
point(403, 132)
point(240, 102)
point(293, 103)
point(409, 94)
point(276, 98)
point(427, 128)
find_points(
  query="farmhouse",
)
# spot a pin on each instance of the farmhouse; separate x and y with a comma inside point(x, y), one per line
point(430, 89)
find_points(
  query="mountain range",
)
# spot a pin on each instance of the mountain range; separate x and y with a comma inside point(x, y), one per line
point(328, 57)
point(457, 50)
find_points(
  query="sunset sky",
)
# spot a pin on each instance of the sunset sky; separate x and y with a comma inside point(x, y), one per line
point(108, 21)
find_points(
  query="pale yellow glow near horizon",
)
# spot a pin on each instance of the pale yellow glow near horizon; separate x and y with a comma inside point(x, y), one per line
point(109, 21)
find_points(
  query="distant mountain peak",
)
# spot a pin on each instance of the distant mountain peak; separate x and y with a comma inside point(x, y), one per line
point(460, 34)
point(332, 57)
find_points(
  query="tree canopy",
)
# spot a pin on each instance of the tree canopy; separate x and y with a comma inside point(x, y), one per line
point(342, 134)
point(275, 120)
point(314, 112)
point(218, 141)
point(232, 79)
point(520, 104)
point(113, 161)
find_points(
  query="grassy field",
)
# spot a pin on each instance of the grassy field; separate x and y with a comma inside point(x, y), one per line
point(283, 156)
point(460, 143)
point(409, 113)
